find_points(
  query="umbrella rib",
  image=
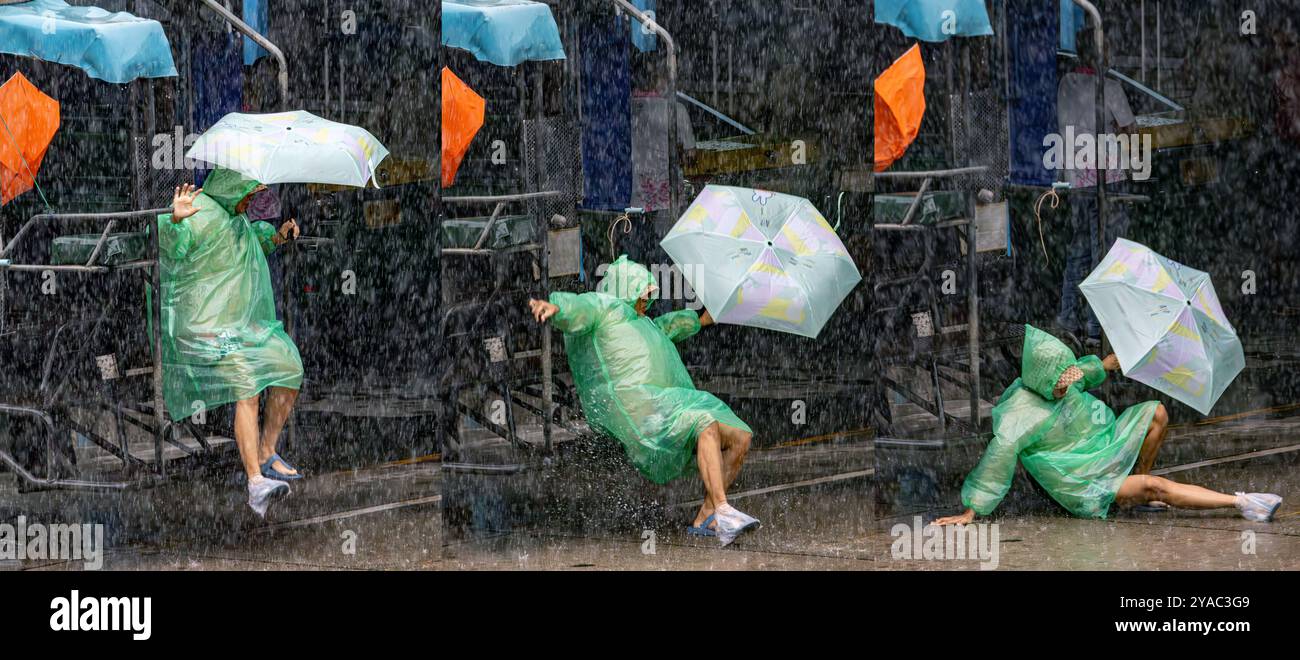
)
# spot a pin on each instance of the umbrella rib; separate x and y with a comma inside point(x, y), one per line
point(740, 281)
point(1197, 292)
point(271, 158)
point(718, 234)
point(1173, 319)
point(802, 284)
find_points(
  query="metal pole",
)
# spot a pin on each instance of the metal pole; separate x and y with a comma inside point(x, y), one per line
point(155, 311)
point(1098, 129)
point(714, 39)
point(548, 394)
point(972, 252)
point(973, 318)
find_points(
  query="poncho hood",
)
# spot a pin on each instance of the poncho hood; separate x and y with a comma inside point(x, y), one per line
point(228, 188)
point(1044, 359)
point(626, 280)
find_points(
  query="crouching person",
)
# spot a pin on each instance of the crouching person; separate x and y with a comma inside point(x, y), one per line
point(1077, 449)
point(635, 388)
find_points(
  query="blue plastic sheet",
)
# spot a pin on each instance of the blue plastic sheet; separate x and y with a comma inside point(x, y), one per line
point(1072, 20)
point(607, 113)
point(217, 72)
point(113, 46)
point(926, 20)
point(256, 16)
point(644, 40)
point(1032, 35)
point(503, 32)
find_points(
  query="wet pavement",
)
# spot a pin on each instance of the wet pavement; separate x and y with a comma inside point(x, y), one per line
point(817, 500)
point(829, 526)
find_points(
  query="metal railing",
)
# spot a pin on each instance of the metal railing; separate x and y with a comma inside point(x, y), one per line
point(110, 220)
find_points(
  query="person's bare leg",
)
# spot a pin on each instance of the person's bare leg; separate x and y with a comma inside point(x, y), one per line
point(1143, 488)
point(246, 438)
point(1151, 444)
point(279, 403)
point(735, 447)
point(708, 453)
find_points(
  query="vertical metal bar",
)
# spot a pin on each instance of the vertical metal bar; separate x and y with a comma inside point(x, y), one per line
point(1143, 22)
point(327, 54)
point(1099, 129)
point(972, 251)
point(936, 328)
point(137, 201)
point(714, 39)
point(731, 82)
point(973, 317)
point(155, 311)
point(539, 142)
point(548, 393)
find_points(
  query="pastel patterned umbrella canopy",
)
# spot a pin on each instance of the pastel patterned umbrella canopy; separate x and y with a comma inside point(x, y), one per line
point(1165, 323)
point(762, 259)
point(291, 147)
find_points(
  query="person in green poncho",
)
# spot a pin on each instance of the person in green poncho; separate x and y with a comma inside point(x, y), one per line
point(1075, 447)
point(634, 387)
point(222, 342)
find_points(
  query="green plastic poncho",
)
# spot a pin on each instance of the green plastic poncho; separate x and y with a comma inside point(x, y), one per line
point(1074, 446)
point(630, 377)
point(221, 339)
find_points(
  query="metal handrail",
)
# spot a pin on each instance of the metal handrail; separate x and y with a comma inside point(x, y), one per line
point(938, 174)
point(61, 217)
point(500, 201)
point(155, 310)
point(493, 199)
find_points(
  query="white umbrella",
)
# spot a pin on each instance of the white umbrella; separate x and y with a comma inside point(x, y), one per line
point(291, 147)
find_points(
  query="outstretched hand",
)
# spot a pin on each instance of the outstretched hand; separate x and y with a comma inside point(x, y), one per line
point(183, 202)
point(542, 310)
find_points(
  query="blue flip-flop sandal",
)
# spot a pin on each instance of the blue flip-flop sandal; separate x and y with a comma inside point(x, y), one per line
point(702, 529)
point(269, 471)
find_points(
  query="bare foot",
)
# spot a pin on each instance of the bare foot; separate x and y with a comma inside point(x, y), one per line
point(278, 467)
point(705, 512)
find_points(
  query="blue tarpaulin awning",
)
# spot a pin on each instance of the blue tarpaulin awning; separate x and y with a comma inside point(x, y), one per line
point(936, 20)
point(644, 40)
point(113, 46)
point(257, 17)
point(503, 32)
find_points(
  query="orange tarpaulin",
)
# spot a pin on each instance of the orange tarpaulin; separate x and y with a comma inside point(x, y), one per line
point(30, 119)
point(462, 117)
point(900, 105)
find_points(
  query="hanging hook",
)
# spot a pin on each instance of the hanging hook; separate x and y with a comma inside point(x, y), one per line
point(1038, 205)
